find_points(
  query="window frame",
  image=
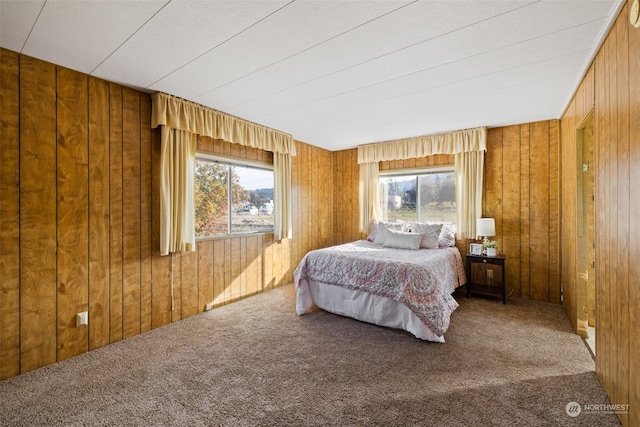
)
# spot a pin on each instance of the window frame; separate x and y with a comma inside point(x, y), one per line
point(417, 173)
point(233, 161)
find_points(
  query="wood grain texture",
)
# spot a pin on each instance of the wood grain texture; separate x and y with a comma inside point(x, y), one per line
point(115, 212)
point(205, 273)
point(511, 206)
point(613, 83)
point(525, 251)
point(73, 211)
point(634, 232)
point(554, 212)
point(98, 213)
point(189, 284)
point(569, 192)
point(234, 262)
point(539, 213)
point(176, 272)
point(219, 280)
point(132, 225)
point(9, 215)
point(622, 187)
point(146, 214)
point(38, 261)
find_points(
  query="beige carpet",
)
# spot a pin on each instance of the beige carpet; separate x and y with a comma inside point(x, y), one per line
point(256, 363)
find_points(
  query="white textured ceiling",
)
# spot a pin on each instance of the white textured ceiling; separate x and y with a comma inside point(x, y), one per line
point(333, 73)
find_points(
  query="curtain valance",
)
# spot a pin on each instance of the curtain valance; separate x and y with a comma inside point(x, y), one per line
point(462, 141)
point(468, 146)
point(188, 116)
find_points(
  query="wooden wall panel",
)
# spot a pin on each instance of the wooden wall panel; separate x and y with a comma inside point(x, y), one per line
point(176, 286)
point(620, 302)
point(131, 224)
point(98, 213)
point(189, 285)
point(569, 191)
point(73, 211)
point(612, 86)
point(525, 205)
point(9, 215)
point(205, 273)
point(219, 261)
point(634, 230)
point(522, 174)
point(115, 212)
point(511, 199)
point(539, 212)
point(38, 261)
point(492, 193)
point(146, 196)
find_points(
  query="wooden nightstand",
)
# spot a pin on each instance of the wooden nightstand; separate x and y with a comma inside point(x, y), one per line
point(481, 275)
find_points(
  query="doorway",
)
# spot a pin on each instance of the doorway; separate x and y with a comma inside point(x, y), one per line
point(585, 233)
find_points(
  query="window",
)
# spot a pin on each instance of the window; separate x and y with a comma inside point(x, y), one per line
point(423, 196)
point(232, 197)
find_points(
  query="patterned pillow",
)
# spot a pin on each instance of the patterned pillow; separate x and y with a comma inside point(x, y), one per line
point(431, 234)
point(402, 240)
point(447, 236)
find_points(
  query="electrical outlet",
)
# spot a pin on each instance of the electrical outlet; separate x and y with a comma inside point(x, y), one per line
point(208, 306)
point(82, 319)
point(489, 274)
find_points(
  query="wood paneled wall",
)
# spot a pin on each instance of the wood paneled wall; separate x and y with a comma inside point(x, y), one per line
point(75, 190)
point(576, 112)
point(346, 174)
point(79, 220)
point(522, 193)
point(612, 86)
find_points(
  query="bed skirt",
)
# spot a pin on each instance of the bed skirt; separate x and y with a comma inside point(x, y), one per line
point(362, 306)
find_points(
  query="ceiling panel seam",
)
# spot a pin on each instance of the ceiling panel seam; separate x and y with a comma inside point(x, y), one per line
point(368, 86)
point(306, 49)
point(130, 36)
point(221, 43)
point(430, 39)
point(35, 21)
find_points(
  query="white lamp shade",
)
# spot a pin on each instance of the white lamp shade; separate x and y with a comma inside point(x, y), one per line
point(486, 227)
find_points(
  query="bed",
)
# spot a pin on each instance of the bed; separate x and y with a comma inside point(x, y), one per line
point(384, 282)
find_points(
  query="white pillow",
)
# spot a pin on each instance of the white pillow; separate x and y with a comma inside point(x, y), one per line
point(430, 232)
point(374, 231)
point(383, 227)
point(447, 237)
point(402, 240)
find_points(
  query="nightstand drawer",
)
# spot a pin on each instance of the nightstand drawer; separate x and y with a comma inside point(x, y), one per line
point(486, 275)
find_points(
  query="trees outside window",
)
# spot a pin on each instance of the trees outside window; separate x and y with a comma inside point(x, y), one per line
point(232, 198)
point(420, 197)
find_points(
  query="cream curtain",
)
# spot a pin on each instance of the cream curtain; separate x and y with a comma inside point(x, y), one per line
point(282, 196)
point(181, 121)
point(468, 146)
point(177, 214)
point(469, 177)
point(369, 195)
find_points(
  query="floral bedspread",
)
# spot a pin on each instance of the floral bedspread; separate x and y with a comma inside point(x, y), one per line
point(422, 280)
